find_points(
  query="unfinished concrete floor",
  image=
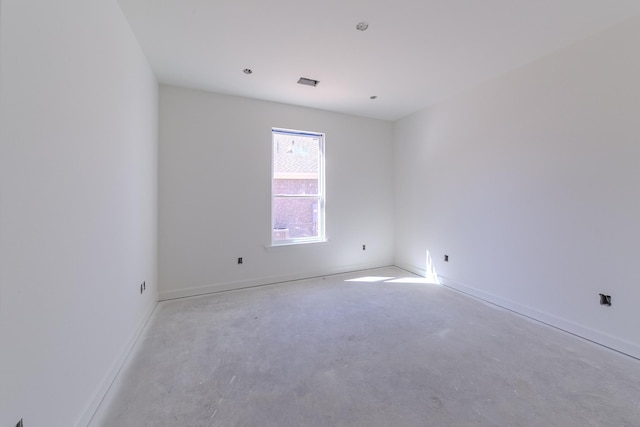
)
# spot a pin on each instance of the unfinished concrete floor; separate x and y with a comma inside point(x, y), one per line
point(331, 352)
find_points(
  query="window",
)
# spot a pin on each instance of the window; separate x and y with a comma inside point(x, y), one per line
point(297, 187)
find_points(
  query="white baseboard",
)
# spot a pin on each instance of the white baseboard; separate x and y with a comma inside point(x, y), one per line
point(412, 269)
point(250, 283)
point(598, 337)
point(91, 409)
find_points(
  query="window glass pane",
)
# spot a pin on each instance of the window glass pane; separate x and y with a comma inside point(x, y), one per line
point(297, 187)
point(295, 217)
point(295, 164)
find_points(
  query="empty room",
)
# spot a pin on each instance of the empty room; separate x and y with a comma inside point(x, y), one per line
point(319, 213)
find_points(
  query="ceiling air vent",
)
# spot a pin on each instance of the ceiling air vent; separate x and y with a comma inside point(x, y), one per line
point(308, 82)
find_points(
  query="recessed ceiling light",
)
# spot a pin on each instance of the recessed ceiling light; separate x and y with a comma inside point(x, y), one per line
point(247, 71)
point(362, 26)
point(373, 97)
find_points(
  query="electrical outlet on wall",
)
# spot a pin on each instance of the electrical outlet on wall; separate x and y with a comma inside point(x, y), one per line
point(239, 260)
point(446, 258)
point(605, 300)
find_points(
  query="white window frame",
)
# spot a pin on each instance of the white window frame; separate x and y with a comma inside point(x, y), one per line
point(321, 196)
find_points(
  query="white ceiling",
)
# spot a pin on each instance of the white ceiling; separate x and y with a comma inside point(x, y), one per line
point(414, 54)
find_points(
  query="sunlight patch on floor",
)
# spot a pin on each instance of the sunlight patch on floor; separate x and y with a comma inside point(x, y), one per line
point(431, 276)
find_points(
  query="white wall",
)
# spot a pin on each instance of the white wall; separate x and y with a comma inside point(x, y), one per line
point(531, 184)
point(78, 193)
point(215, 189)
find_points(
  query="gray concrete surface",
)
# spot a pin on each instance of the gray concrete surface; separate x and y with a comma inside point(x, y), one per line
point(330, 352)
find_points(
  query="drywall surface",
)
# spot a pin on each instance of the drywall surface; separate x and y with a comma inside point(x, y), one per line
point(215, 193)
point(78, 181)
point(530, 184)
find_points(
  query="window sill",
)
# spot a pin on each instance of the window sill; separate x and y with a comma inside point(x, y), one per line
point(296, 244)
